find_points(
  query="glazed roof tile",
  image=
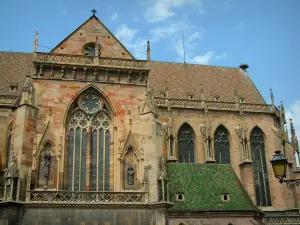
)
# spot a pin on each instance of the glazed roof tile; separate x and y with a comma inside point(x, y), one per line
point(203, 185)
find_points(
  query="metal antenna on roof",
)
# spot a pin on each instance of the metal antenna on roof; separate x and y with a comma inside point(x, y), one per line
point(183, 45)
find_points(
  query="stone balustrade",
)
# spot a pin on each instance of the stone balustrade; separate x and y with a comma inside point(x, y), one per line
point(47, 196)
point(8, 100)
point(214, 105)
point(82, 60)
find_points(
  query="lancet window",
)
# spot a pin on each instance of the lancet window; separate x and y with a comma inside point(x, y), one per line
point(8, 145)
point(261, 178)
point(89, 141)
point(222, 145)
point(186, 144)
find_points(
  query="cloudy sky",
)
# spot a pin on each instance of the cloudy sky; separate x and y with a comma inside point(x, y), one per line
point(264, 34)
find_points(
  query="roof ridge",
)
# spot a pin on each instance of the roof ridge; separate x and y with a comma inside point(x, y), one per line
point(194, 64)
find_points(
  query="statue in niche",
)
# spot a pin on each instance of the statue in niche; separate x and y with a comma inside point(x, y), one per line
point(130, 175)
point(47, 158)
point(169, 127)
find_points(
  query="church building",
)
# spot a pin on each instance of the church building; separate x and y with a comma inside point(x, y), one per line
point(89, 135)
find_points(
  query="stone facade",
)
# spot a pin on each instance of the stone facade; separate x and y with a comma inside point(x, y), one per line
point(143, 119)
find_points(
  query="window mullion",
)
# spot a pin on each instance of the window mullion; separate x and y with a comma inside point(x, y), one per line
point(74, 147)
point(104, 148)
point(97, 177)
point(80, 162)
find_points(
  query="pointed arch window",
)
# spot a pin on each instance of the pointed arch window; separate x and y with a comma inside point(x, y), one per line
point(186, 144)
point(222, 145)
point(8, 145)
point(89, 127)
point(261, 178)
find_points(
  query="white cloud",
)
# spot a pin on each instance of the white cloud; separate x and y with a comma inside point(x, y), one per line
point(164, 32)
point(160, 10)
point(125, 34)
point(114, 16)
point(136, 45)
point(195, 36)
point(222, 56)
point(203, 59)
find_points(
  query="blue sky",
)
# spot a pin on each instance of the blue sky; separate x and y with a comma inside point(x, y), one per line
point(262, 33)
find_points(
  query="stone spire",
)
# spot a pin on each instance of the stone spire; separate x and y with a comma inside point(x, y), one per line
point(36, 41)
point(294, 138)
point(148, 51)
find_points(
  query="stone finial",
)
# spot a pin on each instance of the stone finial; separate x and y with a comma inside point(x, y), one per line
point(294, 139)
point(35, 41)
point(148, 51)
point(97, 47)
point(272, 96)
point(28, 83)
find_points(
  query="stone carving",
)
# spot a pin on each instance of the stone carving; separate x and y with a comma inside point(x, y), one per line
point(242, 132)
point(12, 171)
point(208, 146)
point(163, 172)
point(149, 105)
point(47, 158)
point(130, 175)
point(169, 131)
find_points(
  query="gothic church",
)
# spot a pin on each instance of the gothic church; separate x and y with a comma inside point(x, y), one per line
point(89, 135)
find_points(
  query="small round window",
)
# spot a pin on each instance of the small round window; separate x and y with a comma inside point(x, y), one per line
point(89, 49)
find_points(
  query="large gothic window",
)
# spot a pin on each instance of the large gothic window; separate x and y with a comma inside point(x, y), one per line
point(261, 178)
point(222, 146)
point(8, 145)
point(89, 140)
point(186, 144)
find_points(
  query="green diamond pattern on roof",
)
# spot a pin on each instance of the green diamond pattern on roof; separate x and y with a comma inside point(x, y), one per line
point(203, 186)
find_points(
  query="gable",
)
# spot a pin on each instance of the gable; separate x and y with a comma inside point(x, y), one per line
point(87, 33)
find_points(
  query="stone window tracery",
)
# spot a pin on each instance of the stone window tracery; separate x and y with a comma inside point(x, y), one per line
point(261, 178)
point(186, 144)
point(89, 125)
point(222, 146)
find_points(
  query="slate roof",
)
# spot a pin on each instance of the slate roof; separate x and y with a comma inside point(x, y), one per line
point(179, 79)
point(203, 186)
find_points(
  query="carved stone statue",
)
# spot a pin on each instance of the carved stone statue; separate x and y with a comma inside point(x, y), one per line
point(169, 130)
point(242, 133)
point(130, 175)
point(47, 157)
point(206, 132)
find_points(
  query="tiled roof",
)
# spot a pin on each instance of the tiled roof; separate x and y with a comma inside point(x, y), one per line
point(216, 81)
point(180, 79)
point(203, 186)
point(13, 69)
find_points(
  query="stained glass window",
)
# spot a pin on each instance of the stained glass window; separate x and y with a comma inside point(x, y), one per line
point(186, 144)
point(89, 116)
point(261, 178)
point(9, 137)
point(222, 146)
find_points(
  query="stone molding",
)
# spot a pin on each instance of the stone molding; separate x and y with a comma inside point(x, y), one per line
point(291, 220)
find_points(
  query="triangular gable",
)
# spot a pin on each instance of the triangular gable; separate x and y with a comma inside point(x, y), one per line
point(86, 33)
